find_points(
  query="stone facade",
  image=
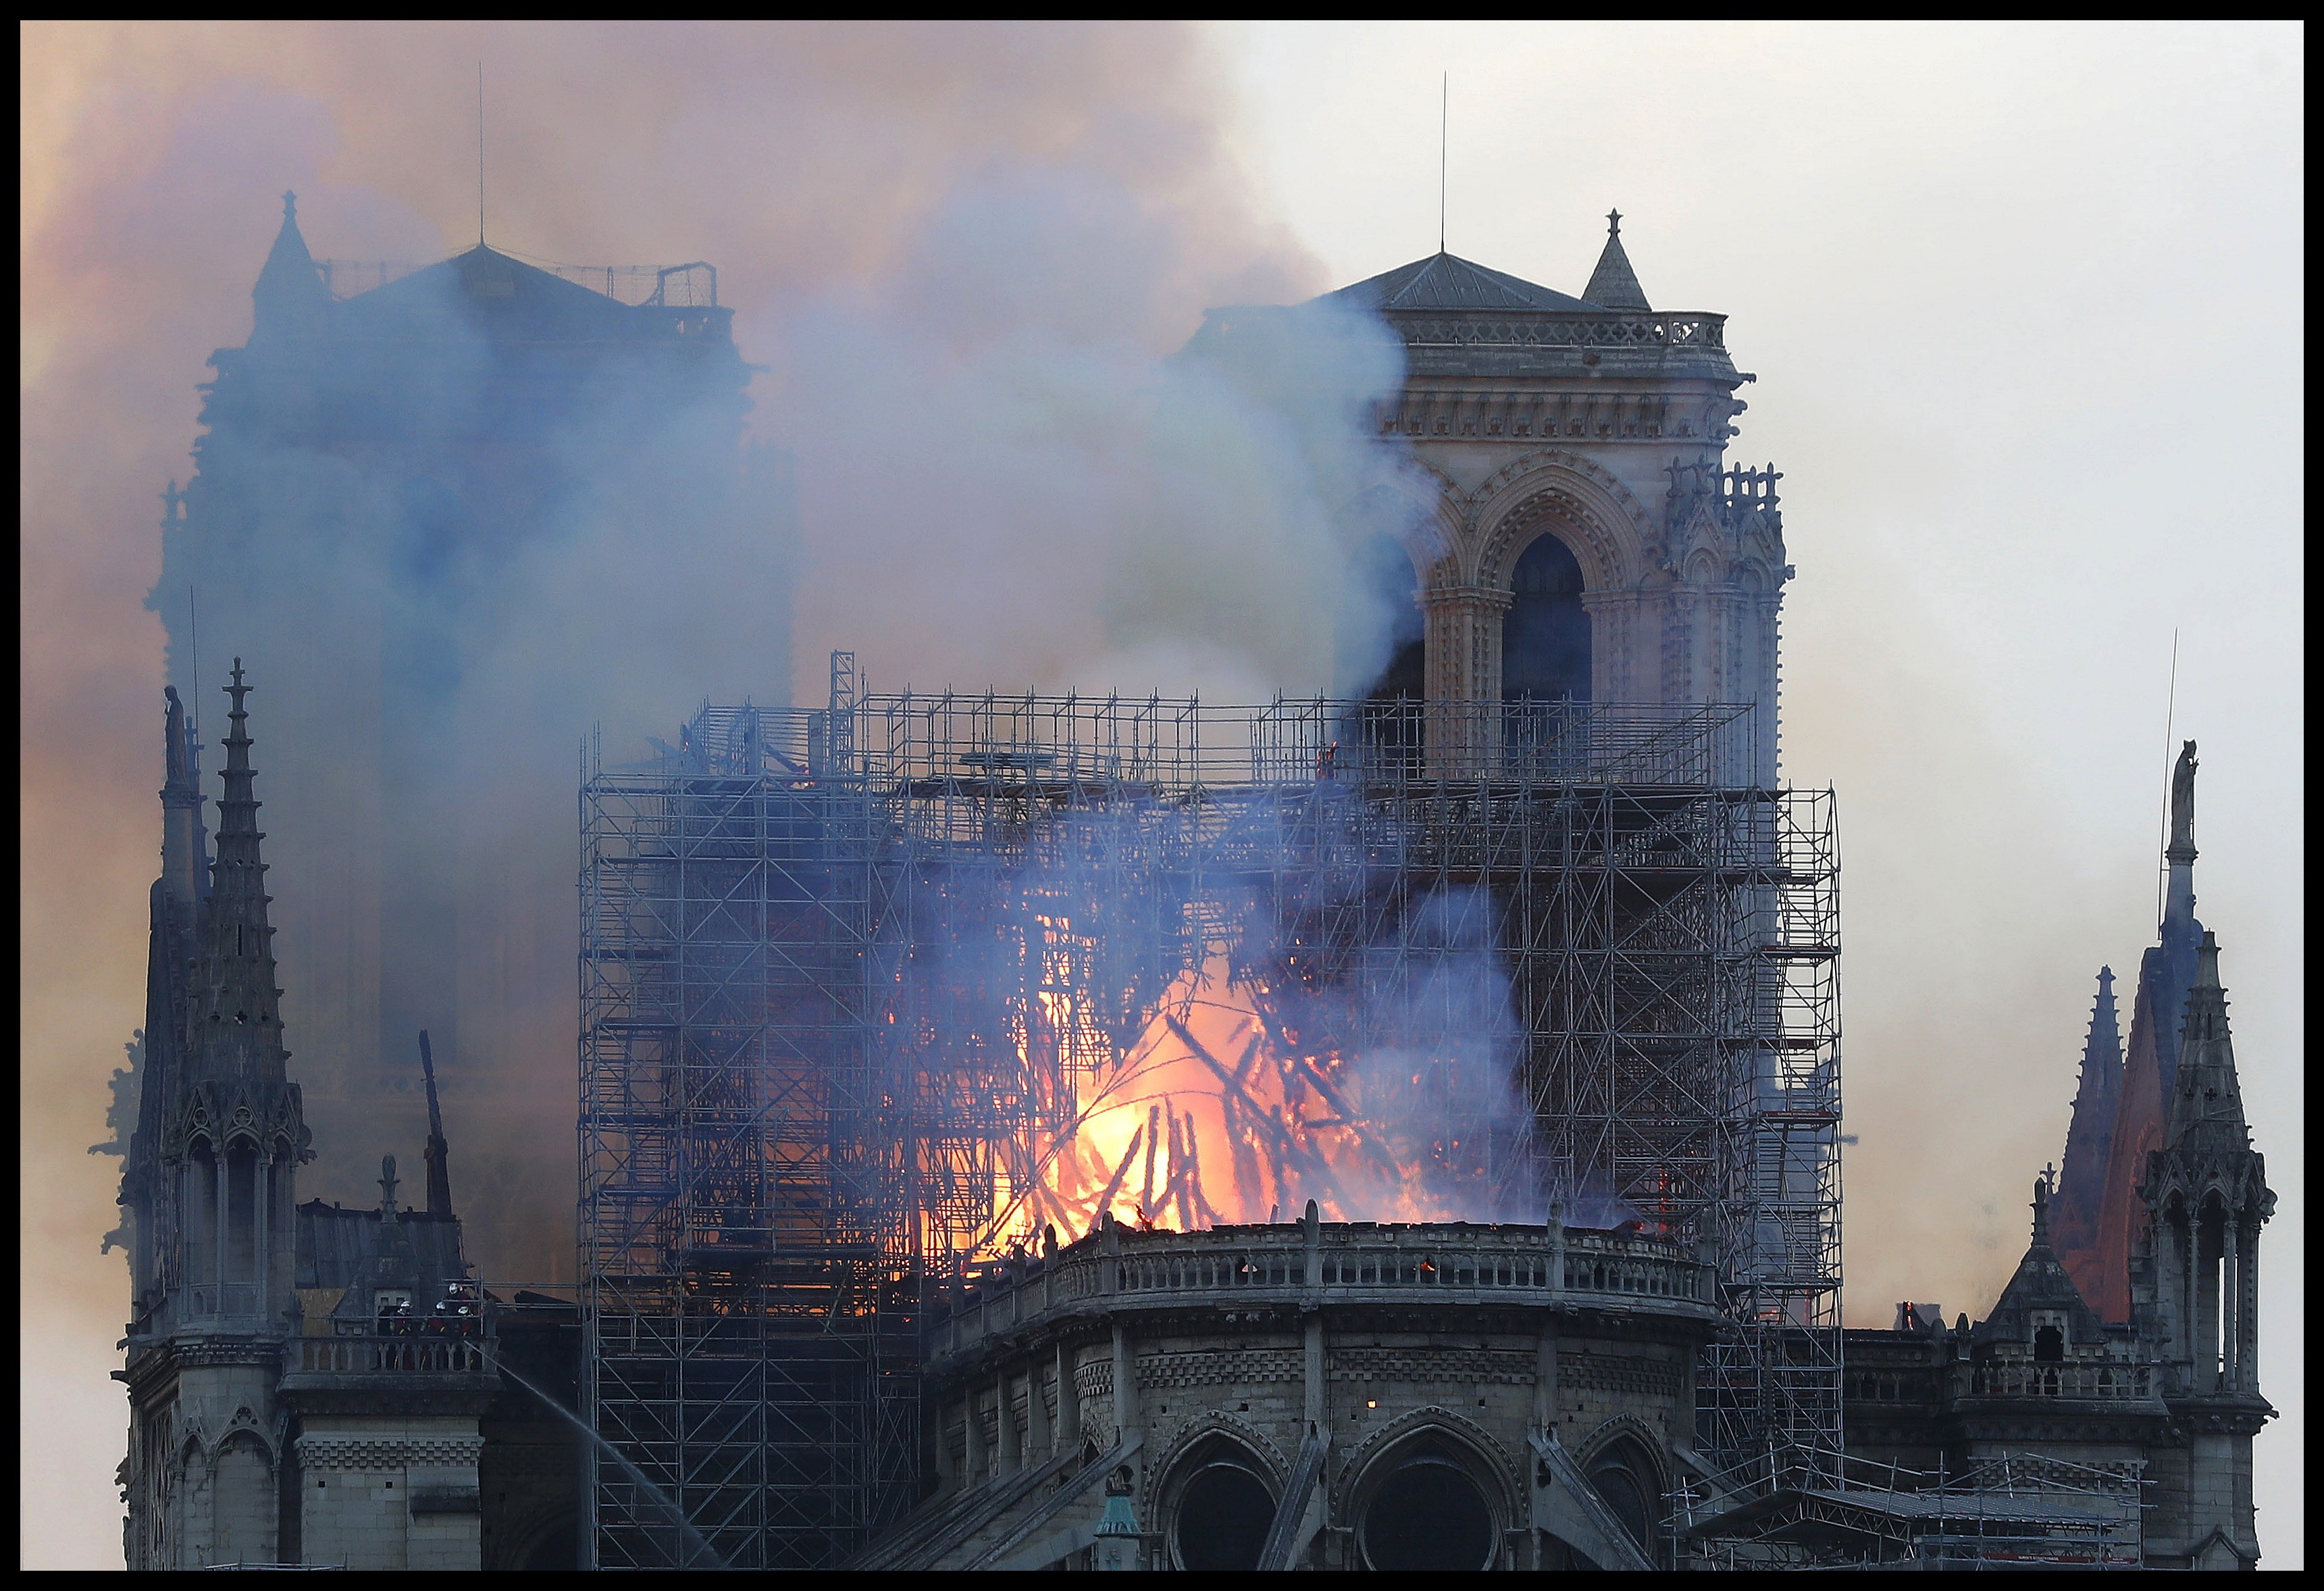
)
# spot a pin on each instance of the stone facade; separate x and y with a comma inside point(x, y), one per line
point(2168, 1401)
point(1526, 413)
point(306, 1383)
point(1291, 1394)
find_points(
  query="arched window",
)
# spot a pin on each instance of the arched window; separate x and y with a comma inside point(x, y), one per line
point(1222, 1508)
point(1427, 1511)
point(1624, 1478)
point(1546, 634)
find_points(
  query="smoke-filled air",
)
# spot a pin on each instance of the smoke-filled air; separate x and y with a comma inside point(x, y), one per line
point(933, 381)
point(971, 453)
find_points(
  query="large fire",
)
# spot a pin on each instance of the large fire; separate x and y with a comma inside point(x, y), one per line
point(1220, 1113)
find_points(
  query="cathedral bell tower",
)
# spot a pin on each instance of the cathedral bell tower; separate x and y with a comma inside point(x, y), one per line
point(2205, 1197)
point(1569, 531)
point(208, 1189)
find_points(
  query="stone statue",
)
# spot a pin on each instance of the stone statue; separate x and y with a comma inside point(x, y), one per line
point(2182, 799)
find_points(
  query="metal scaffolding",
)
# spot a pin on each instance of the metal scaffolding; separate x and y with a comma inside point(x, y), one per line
point(750, 1307)
point(849, 975)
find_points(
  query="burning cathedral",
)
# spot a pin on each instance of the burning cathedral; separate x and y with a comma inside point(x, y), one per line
point(1396, 1132)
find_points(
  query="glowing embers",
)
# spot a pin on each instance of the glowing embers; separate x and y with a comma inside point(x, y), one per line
point(1237, 1103)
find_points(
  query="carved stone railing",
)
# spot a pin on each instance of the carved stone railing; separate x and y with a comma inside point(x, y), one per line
point(2097, 1382)
point(393, 1354)
point(1355, 1263)
point(1528, 328)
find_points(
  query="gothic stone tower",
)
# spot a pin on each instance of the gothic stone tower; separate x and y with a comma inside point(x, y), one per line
point(271, 1420)
point(2196, 1278)
point(385, 476)
point(1572, 532)
point(207, 1190)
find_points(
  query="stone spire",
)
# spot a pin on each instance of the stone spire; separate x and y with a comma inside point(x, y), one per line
point(439, 1152)
point(2090, 1143)
point(2151, 1064)
point(2206, 1197)
point(2039, 1282)
point(183, 842)
point(1614, 284)
point(289, 301)
point(2206, 1105)
point(234, 1021)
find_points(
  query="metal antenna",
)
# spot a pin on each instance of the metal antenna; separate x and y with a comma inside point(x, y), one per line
point(480, 154)
point(2162, 829)
point(1443, 144)
point(194, 637)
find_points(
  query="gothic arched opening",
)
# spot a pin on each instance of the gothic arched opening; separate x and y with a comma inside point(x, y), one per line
point(1626, 1479)
point(1428, 1512)
point(1545, 633)
point(1223, 1508)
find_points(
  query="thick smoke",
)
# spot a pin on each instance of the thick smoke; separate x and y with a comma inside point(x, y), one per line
point(948, 245)
point(1097, 1023)
point(1007, 487)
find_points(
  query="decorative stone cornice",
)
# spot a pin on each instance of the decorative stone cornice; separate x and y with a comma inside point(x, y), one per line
point(386, 1452)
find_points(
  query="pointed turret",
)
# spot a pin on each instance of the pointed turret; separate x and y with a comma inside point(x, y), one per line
point(439, 1152)
point(2090, 1143)
point(2206, 1105)
point(2039, 1283)
point(1614, 284)
point(2205, 1197)
point(2151, 1064)
point(289, 301)
point(182, 838)
point(235, 1028)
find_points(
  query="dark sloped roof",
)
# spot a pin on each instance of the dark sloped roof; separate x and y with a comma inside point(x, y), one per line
point(1613, 283)
point(340, 1247)
point(491, 294)
point(2040, 1283)
point(1447, 282)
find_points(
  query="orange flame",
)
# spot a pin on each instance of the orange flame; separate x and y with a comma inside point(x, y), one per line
point(1215, 1115)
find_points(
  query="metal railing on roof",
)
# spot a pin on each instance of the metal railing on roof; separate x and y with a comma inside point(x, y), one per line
point(691, 286)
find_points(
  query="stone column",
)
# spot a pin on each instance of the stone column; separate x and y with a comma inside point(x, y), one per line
point(1125, 1383)
point(261, 1202)
point(218, 1224)
point(2206, 1309)
point(1618, 671)
point(1040, 1431)
point(2248, 1314)
point(1545, 1380)
point(1318, 1413)
point(1464, 677)
point(1004, 1431)
point(1067, 1432)
point(974, 1467)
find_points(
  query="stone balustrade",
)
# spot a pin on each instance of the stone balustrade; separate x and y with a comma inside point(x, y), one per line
point(1359, 1262)
point(2097, 1382)
point(370, 1354)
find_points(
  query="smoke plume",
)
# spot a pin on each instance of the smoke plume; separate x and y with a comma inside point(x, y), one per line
point(962, 254)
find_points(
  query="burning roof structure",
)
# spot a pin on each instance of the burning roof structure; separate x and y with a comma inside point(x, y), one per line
point(905, 987)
